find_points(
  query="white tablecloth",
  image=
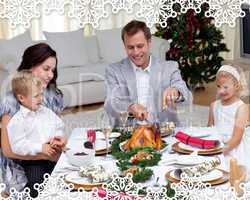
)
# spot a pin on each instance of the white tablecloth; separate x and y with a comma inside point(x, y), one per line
point(63, 166)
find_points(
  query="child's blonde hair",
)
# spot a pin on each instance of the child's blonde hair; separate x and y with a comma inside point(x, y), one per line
point(238, 76)
point(24, 82)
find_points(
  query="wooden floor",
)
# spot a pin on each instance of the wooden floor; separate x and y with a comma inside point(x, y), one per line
point(205, 96)
point(76, 109)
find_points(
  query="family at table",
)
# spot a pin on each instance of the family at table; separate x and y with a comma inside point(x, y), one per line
point(149, 89)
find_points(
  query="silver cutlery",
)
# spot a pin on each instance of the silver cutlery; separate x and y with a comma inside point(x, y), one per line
point(66, 169)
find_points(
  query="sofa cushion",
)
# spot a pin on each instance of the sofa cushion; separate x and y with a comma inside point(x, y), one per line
point(11, 51)
point(111, 45)
point(70, 47)
point(112, 48)
point(159, 47)
point(89, 72)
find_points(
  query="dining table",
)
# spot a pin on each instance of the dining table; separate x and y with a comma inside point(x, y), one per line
point(78, 135)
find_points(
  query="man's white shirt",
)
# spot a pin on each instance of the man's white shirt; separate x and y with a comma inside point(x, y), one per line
point(142, 83)
point(29, 130)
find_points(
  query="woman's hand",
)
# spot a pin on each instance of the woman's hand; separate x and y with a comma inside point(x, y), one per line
point(58, 143)
point(48, 150)
point(53, 158)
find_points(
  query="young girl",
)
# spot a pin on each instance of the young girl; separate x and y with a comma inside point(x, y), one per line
point(230, 114)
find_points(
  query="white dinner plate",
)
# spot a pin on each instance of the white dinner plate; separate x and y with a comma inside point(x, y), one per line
point(75, 178)
point(113, 135)
point(200, 132)
point(121, 144)
point(191, 148)
point(185, 160)
point(210, 176)
point(81, 182)
point(78, 145)
point(101, 145)
point(81, 134)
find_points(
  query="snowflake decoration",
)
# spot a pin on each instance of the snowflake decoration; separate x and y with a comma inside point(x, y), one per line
point(55, 188)
point(190, 187)
point(156, 11)
point(54, 5)
point(247, 2)
point(118, 5)
point(19, 12)
point(121, 188)
point(156, 195)
point(88, 11)
point(24, 195)
point(191, 4)
point(1, 9)
point(225, 11)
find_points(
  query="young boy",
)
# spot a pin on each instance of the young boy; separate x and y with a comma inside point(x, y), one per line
point(34, 129)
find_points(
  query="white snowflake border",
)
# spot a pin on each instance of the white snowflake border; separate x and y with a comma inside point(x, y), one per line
point(21, 12)
point(123, 188)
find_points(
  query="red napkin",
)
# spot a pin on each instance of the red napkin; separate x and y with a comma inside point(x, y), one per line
point(103, 194)
point(195, 141)
point(91, 135)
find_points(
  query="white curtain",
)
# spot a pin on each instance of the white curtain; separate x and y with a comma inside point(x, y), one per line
point(62, 23)
point(232, 40)
point(55, 22)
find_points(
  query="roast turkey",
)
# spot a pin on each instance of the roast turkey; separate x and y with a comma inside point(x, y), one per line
point(144, 136)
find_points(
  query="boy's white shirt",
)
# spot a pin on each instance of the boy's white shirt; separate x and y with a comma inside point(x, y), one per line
point(29, 130)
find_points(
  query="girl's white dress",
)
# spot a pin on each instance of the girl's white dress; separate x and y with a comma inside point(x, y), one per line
point(224, 121)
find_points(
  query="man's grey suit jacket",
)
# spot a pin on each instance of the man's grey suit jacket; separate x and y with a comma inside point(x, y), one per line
point(121, 87)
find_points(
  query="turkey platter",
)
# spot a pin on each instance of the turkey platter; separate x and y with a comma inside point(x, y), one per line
point(144, 136)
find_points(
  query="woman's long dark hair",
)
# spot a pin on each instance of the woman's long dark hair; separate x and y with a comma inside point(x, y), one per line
point(37, 54)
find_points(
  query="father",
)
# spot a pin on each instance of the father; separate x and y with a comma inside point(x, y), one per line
point(141, 84)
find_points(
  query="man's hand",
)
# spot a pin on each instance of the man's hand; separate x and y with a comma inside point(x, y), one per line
point(169, 97)
point(138, 111)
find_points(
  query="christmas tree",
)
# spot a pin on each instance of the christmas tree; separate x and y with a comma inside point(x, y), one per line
point(196, 45)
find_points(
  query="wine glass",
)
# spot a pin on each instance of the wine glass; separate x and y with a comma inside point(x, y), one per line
point(124, 118)
point(152, 111)
point(107, 124)
point(121, 105)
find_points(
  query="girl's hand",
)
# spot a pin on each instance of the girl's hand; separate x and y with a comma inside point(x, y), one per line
point(226, 151)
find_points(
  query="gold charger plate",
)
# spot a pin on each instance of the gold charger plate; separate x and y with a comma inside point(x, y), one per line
point(165, 134)
point(218, 181)
point(101, 152)
point(213, 151)
point(78, 184)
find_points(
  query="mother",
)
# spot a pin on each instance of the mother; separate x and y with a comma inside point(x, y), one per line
point(42, 61)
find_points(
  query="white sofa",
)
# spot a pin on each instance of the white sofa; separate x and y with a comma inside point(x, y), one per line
point(81, 61)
